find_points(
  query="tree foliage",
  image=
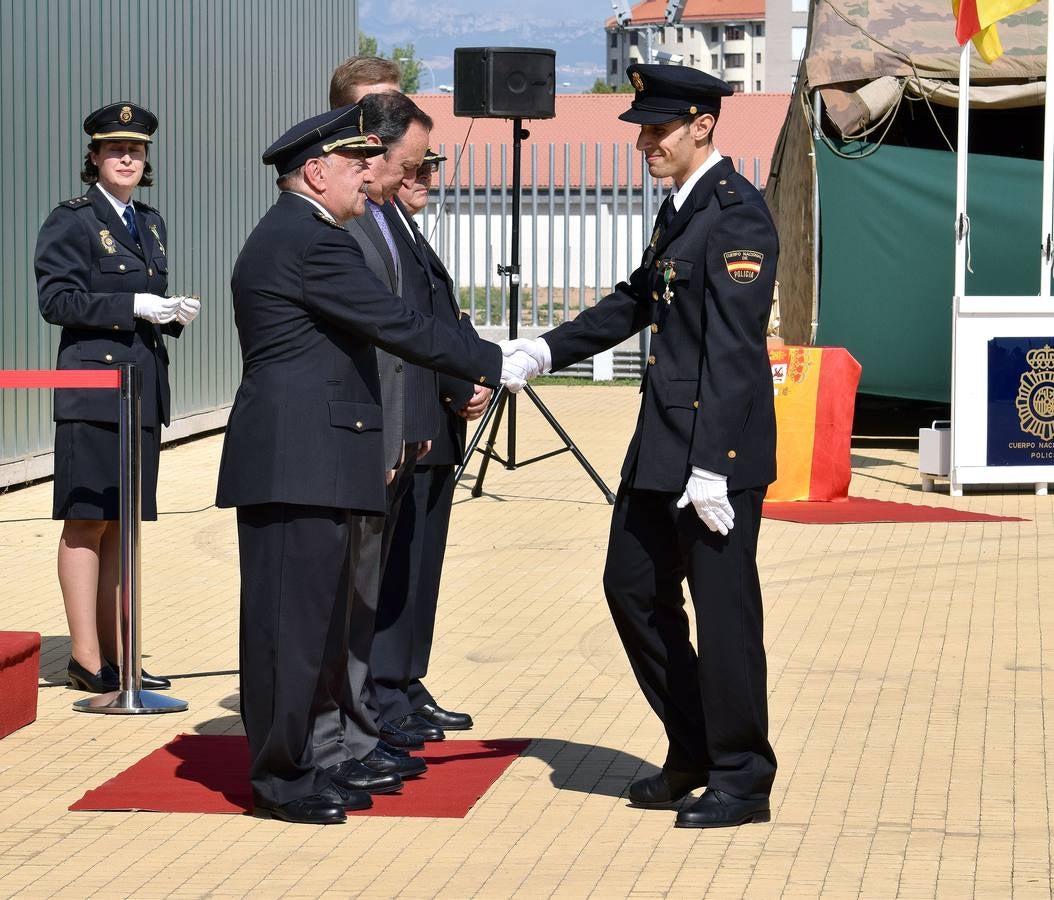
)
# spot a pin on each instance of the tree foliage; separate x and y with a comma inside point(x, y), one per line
point(602, 87)
point(409, 65)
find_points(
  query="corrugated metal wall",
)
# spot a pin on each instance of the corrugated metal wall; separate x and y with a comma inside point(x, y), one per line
point(225, 78)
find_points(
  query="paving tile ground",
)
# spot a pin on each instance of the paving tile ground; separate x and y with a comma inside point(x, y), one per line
point(910, 684)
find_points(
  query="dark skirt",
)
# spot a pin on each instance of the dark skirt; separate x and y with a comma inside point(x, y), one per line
point(87, 471)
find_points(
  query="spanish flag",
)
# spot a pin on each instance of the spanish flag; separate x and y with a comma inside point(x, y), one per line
point(815, 395)
point(975, 20)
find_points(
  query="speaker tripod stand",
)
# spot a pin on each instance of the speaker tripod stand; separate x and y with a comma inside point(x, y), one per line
point(504, 400)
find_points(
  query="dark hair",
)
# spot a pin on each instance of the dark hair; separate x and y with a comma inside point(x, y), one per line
point(90, 172)
point(360, 71)
point(390, 115)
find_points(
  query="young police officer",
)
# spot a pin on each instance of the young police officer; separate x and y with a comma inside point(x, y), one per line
point(701, 457)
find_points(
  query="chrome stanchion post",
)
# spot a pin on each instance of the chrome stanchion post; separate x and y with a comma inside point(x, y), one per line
point(130, 699)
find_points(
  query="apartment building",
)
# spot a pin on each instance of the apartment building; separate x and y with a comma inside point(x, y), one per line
point(754, 45)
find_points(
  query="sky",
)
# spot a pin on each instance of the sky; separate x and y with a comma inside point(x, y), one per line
point(573, 28)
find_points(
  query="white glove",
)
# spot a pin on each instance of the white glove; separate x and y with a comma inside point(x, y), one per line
point(538, 349)
point(189, 307)
point(159, 310)
point(708, 493)
point(517, 370)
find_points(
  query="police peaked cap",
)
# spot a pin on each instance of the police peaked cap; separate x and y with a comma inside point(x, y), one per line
point(121, 121)
point(319, 135)
point(664, 93)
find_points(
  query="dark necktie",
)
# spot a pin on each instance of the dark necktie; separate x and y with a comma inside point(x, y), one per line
point(129, 221)
point(667, 213)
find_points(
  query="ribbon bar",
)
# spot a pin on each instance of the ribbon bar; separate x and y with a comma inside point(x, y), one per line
point(56, 378)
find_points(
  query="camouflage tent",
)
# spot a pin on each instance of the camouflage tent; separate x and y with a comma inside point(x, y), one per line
point(880, 70)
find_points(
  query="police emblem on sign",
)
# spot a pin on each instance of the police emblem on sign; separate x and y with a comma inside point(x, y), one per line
point(637, 81)
point(1035, 394)
point(743, 265)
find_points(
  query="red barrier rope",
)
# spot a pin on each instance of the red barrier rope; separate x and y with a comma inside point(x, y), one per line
point(64, 378)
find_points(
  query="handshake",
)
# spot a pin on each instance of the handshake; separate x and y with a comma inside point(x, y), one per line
point(162, 310)
point(706, 492)
point(524, 359)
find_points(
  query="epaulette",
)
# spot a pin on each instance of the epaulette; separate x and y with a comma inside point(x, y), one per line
point(329, 220)
point(144, 207)
point(726, 194)
point(76, 202)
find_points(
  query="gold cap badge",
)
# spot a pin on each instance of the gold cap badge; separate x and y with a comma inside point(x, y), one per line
point(637, 81)
point(126, 115)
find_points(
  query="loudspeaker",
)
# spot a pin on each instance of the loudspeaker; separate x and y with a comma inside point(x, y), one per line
point(504, 83)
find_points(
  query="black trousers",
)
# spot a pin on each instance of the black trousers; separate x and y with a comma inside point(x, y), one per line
point(297, 565)
point(402, 644)
point(713, 702)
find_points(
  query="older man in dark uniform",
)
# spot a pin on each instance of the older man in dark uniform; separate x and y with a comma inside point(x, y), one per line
point(701, 457)
point(303, 454)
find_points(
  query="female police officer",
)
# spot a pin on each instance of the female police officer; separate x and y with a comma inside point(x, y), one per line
point(102, 270)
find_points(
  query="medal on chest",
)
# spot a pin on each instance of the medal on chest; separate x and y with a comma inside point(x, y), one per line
point(157, 237)
point(668, 275)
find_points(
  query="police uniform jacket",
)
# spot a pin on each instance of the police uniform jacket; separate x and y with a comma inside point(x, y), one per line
point(306, 423)
point(88, 270)
point(704, 288)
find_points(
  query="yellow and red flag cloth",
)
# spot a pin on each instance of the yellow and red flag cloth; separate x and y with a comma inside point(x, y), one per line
point(975, 20)
point(815, 395)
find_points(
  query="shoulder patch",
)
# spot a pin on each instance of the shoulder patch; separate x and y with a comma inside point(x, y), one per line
point(76, 202)
point(322, 217)
point(726, 193)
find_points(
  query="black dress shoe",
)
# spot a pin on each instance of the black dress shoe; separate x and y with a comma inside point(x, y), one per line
point(101, 682)
point(323, 808)
point(417, 726)
point(354, 775)
point(665, 787)
point(393, 751)
point(716, 809)
point(399, 738)
point(444, 718)
point(350, 798)
point(150, 682)
point(404, 766)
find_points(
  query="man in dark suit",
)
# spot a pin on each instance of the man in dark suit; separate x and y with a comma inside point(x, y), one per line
point(410, 589)
point(395, 121)
point(705, 439)
point(303, 455)
point(413, 412)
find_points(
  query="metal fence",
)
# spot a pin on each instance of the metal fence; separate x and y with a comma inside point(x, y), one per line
point(579, 236)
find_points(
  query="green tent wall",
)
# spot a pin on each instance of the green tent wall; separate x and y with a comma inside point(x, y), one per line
point(898, 204)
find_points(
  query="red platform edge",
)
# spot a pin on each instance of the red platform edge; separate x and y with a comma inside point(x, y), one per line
point(19, 673)
point(60, 378)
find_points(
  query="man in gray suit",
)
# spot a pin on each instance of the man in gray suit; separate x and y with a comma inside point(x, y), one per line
point(395, 121)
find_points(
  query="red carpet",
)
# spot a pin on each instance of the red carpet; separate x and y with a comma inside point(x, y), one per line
point(858, 510)
point(208, 773)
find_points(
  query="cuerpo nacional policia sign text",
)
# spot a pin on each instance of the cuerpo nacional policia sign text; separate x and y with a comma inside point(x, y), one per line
point(1021, 401)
